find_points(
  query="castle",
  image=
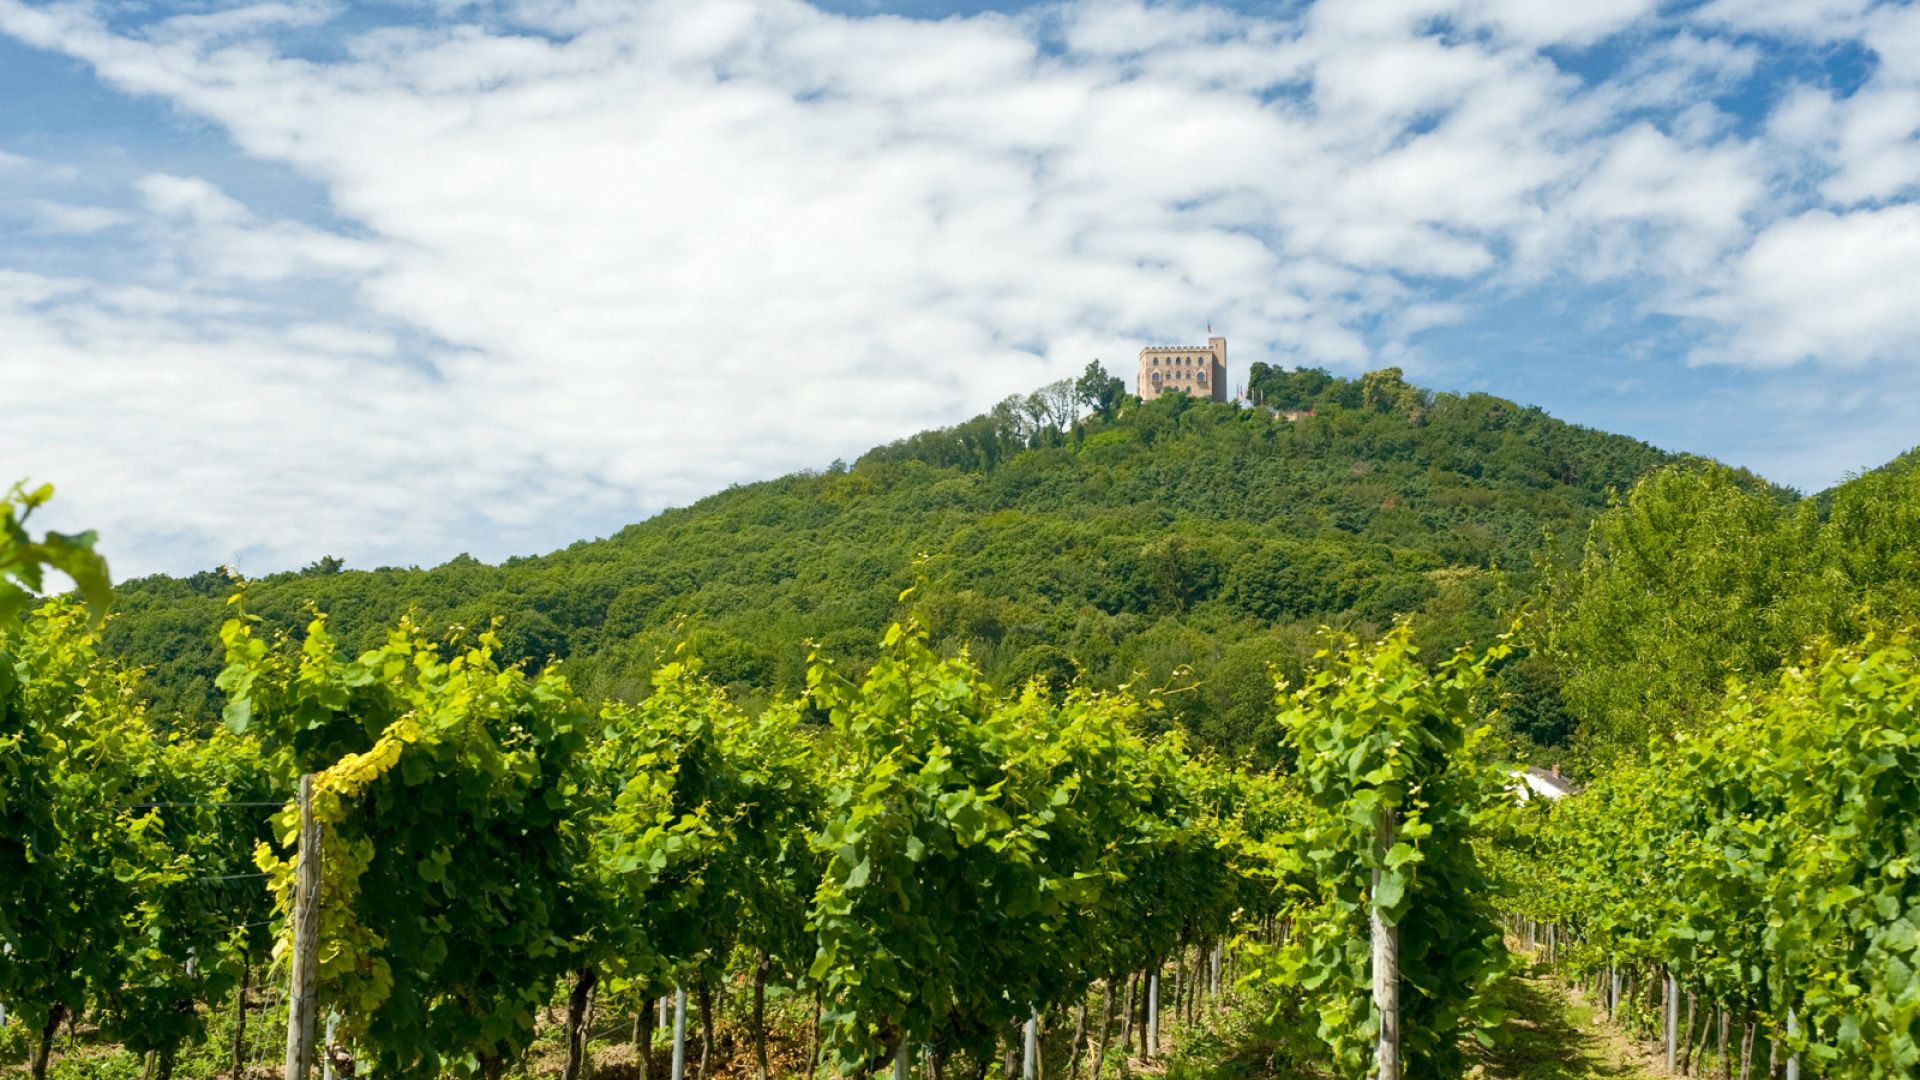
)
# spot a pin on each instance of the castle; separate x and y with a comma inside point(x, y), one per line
point(1200, 370)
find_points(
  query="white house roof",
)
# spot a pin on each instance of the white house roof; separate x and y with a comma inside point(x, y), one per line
point(1547, 785)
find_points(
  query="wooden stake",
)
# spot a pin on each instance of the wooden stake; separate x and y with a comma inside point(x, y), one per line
point(302, 1005)
point(1386, 968)
point(1153, 1013)
point(1030, 1047)
point(240, 1018)
point(1793, 1059)
point(679, 1033)
point(1673, 1021)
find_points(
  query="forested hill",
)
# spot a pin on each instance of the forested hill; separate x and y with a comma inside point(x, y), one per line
point(1697, 577)
point(1073, 530)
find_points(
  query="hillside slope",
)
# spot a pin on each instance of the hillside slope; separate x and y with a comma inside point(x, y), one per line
point(1696, 578)
point(1190, 542)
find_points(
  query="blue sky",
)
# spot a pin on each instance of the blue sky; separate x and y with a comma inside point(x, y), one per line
point(399, 281)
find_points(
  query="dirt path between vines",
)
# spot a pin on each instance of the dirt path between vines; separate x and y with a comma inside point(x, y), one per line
point(1556, 1035)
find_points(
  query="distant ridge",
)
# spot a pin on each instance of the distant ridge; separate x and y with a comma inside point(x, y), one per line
point(1073, 532)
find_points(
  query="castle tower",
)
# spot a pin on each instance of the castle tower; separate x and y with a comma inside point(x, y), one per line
point(1200, 370)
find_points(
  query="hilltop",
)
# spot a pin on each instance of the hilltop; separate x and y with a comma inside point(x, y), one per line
point(1076, 531)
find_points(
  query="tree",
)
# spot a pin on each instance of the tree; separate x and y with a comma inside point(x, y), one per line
point(1098, 392)
point(1387, 390)
point(1693, 577)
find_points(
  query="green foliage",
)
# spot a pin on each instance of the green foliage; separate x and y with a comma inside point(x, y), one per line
point(75, 854)
point(936, 858)
point(989, 855)
point(932, 831)
point(1386, 748)
point(1765, 860)
point(699, 833)
point(117, 865)
point(1140, 539)
point(444, 784)
point(22, 558)
point(201, 914)
point(1701, 574)
point(1099, 392)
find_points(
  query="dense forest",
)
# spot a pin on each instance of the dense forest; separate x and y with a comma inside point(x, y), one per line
point(1074, 532)
point(1696, 578)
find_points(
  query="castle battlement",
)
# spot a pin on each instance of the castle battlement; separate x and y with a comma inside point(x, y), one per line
point(1199, 370)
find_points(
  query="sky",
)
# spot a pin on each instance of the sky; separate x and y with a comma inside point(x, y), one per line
point(400, 281)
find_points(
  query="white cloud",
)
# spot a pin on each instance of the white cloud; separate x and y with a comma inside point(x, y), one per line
point(1654, 205)
point(1824, 20)
point(1893, 33)
point(657, 247)
point(1838, 288)
point(1538, 23)
point(225, 240)
point(206, 26)
point(51, 216)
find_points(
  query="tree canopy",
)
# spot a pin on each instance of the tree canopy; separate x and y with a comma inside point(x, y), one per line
point(1073, 532)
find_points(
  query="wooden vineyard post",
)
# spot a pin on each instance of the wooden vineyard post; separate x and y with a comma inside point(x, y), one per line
point(1030, 1047)
point(1673, 1021)
point(1386, 966)
point(680, 1033)
point(1153, 1013)
point(301, 1005)
point(1793, 1031)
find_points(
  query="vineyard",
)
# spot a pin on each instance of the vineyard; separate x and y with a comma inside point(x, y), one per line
point(417, 860)
point(1748, 894)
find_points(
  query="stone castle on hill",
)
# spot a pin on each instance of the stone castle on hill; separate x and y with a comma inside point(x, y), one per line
point(1200, 370)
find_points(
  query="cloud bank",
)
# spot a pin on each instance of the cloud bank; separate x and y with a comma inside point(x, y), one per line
point(582, 261)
